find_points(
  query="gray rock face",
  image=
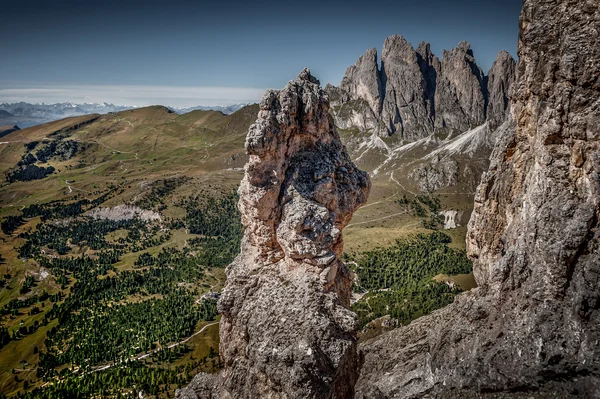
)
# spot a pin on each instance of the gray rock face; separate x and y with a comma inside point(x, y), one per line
point(286, 330)
point(501, 78)
point(439, 173)
point(407, 106)
point(414, 94)
point(124, 212)
point(461, 94)
point(533, 325)
point(363, 80)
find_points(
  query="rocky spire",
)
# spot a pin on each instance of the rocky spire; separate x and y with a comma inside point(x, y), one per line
point(407, 106)
point(461, 96)
point(534, 322)
point(286, 330)
point(363, 80)
point(501, 78)
point(430, 69)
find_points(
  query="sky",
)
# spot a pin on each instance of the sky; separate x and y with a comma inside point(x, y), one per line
point(185, 53)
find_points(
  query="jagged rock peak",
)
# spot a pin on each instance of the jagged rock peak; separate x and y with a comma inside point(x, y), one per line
point(461, 95)
point(501, 78)
point(407, 105)
point(362, 80)
point(394, 45)
point(414, 94)
point(533, 323)
point(286, 330)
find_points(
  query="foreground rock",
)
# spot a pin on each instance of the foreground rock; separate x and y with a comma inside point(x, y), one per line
point(532, 327)
point(286, 330)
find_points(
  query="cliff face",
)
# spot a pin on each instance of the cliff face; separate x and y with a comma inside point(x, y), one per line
point(533, 324)
point(286, 329)
point(500, 82)
point(407, 104)
point(461, 94)
point(414, 94)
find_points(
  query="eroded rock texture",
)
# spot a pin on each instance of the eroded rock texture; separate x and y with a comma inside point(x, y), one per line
point(532, 328)
point(414, 94)
point(286, 330)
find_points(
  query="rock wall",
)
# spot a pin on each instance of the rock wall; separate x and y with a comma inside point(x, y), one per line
point(414, 94)
point(286, 330)
point(532, 327)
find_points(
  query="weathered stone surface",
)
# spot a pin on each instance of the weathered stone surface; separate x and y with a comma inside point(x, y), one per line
point(363, 80)
point(533, 324)
point(203, 386)
point(501, 78)
point(358, 98)
point(439, 173)
point(124, 212)
point(286, 330)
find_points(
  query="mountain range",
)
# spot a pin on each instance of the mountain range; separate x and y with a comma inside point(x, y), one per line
point(424, 124)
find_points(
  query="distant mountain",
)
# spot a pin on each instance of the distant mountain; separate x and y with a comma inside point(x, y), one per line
point(226, 109)
point(27, 114)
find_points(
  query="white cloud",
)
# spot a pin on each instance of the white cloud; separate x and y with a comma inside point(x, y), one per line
point(134, 95)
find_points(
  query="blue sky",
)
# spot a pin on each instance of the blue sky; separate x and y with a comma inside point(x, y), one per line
point(188, 53)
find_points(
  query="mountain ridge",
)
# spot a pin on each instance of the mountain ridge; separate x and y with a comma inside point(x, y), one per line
point(411, 93)
point(28, 114)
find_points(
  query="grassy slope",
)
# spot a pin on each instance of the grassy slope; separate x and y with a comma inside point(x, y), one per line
point(129, 149)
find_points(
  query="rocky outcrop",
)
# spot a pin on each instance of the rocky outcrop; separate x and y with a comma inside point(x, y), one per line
point(500, 81)
point(363, 80)
point(414, 94)
point(532, 327)
point(451, 218)
point(359, 96)
point(124, 212)
point(286, 330)
point(439, 173)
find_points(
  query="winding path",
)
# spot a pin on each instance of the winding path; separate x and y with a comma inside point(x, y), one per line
point(145, 355)
point(375, 220)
